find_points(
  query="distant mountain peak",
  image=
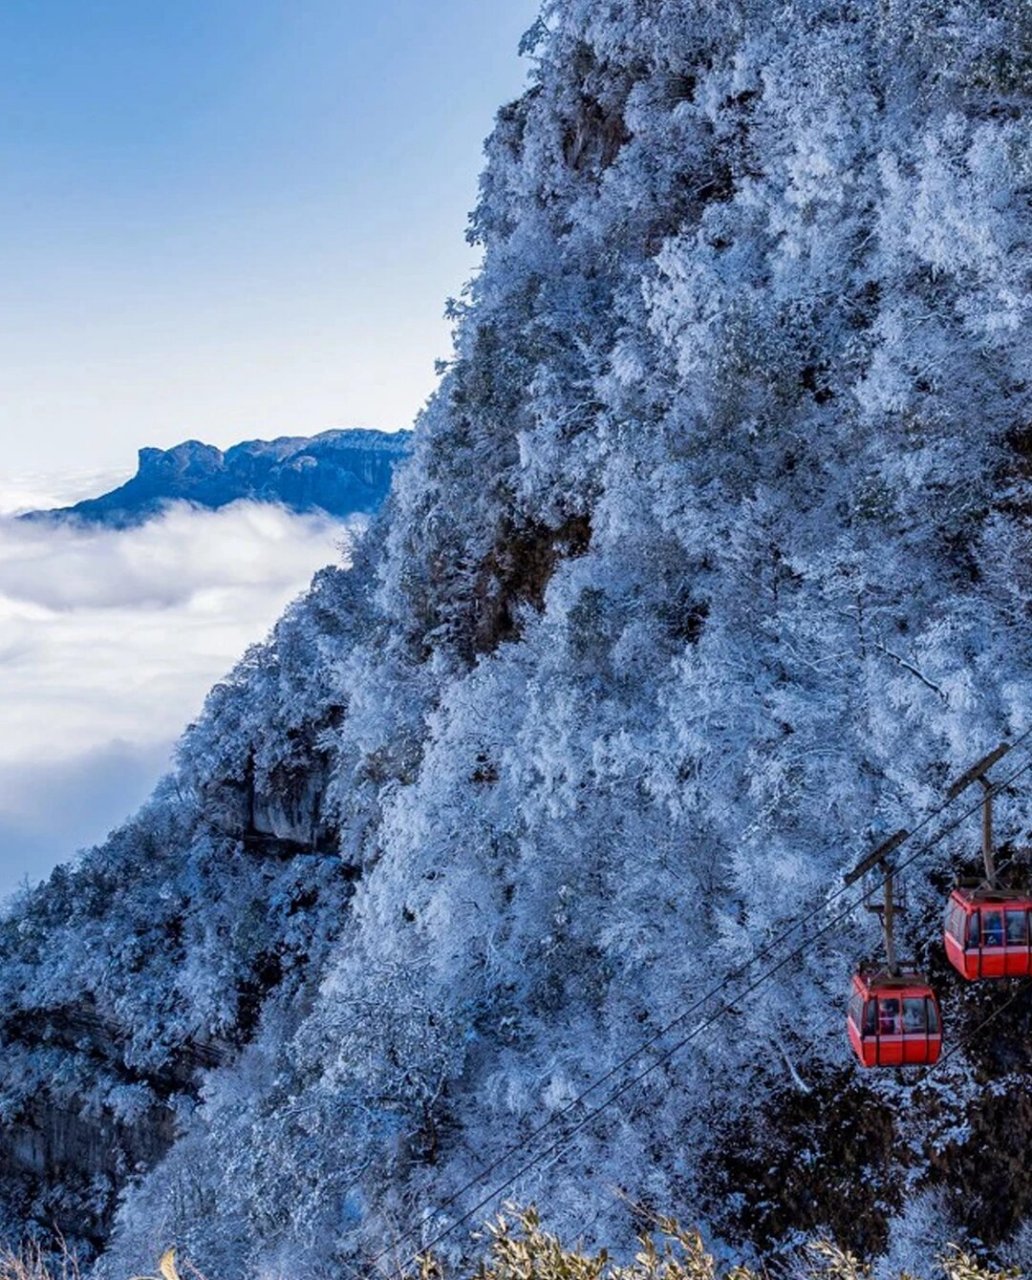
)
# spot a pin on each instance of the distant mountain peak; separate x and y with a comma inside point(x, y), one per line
point(341, 472)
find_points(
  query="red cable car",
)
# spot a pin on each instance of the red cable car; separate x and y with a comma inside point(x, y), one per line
point(894, 1021)
point(893, 1018)
point(989, 933)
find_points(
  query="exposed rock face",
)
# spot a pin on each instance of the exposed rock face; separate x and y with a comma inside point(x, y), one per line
point(52, 1145)
point(290, 808)
point(65, 1173)
point(71, 1149)
point(340, 473)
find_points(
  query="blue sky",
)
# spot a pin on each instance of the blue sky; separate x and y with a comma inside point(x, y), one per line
point(233, 218)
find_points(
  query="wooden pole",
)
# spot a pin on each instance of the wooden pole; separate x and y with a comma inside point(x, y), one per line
point(888, 922)
point(988, 857)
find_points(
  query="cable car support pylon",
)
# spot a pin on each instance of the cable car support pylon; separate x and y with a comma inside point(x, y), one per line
point(880, 858)
point(977, 773)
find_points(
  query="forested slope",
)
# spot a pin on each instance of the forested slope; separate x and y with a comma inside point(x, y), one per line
point(710, 567)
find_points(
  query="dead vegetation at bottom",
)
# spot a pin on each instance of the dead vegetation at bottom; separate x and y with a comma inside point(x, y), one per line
point(517, 1247)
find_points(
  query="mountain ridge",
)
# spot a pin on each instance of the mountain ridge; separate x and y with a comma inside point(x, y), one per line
point(340, 472)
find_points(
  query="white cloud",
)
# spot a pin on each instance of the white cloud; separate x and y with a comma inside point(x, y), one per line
point(37, 491)
point(109, 641)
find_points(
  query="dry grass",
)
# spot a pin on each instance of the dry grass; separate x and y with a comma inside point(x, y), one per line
point(168, 1269)
point(32, 1263)
point(516, 1247)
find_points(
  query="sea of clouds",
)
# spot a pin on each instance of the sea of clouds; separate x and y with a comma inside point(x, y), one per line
point(109, 641)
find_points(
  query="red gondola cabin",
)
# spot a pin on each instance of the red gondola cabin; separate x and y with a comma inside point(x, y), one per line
point(989, 933)
point(894, 1021)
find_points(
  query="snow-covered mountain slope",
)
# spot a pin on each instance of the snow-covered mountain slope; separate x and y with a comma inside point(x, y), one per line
point(340, 472)
point(710, 566)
